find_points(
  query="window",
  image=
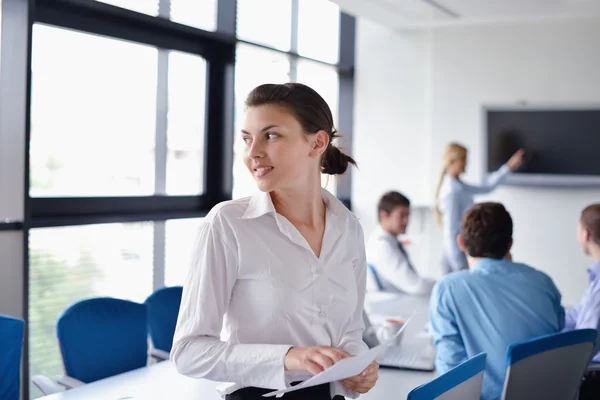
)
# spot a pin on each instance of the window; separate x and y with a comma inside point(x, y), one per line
point(180, 235)
point(197, 13)
point(186, 121)
point(267, 22)
point(319, 30)
point(323, 79)
point(97, 137)
point(68, 264)
point(254, 66)
point(149, 7)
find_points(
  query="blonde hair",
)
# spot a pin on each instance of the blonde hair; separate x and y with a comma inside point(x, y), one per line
point(452, 152)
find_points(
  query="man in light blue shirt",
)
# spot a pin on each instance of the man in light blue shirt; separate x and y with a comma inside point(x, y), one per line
point(493, 304)
point(586, 314)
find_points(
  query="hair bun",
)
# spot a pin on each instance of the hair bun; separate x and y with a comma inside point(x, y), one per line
point(335, 162)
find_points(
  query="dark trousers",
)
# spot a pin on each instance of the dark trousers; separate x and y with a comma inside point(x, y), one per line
point(590, 387)
point(320, 392)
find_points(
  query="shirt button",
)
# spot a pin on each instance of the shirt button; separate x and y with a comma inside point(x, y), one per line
point(319, 271)
point(322, 314)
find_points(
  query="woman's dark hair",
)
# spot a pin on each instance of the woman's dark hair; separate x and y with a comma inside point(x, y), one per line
point(590, 219)
point(487, 230)
point(311, 111)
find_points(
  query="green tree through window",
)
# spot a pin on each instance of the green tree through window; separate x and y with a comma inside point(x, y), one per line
point(57, 284)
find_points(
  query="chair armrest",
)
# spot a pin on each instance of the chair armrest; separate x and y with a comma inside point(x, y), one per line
point(593, 367)
point(45, 384)
point(68, 382)
point(159, 354)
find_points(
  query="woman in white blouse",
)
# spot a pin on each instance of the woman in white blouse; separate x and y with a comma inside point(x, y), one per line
point(453, 197)
point(276, 289)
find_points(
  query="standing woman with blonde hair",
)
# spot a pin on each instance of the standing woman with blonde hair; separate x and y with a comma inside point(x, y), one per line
point(453, 197)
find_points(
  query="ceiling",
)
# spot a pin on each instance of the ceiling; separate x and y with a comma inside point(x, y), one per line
point(431, 13)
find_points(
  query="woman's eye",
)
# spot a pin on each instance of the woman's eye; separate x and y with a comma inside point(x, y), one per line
point(272, 135)
point(246, 140)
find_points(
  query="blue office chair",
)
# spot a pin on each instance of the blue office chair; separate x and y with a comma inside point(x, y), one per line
point(163, 308)
point(549, 366)
point(462, 382)
point(102, 337)
point(11, 346)
point(375, 276)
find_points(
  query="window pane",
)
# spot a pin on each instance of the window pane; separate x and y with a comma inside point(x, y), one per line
point(323, 79)
point(197, 13)
point(68, 264)
point(319, 30)
point(186, 121)
point(180, 235)
point(93, 115)
point(254, 66)
point(149, 7)
point(268, 22)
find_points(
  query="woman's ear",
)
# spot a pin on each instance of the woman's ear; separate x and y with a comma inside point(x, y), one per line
point(320, 141)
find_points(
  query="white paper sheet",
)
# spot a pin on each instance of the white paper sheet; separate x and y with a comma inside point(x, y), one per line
point(343, 369)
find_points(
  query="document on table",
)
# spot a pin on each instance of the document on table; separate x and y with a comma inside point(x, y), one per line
point(344, 368)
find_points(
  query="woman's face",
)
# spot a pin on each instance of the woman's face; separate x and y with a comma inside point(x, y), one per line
point(277, 152)
point(458, 166)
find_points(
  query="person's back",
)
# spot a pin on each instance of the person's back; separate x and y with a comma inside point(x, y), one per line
point(498, 303)
point(495, 303)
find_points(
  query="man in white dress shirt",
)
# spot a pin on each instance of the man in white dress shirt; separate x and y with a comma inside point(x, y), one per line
point(394, 271)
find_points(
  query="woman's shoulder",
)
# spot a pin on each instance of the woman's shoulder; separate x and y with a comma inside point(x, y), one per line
point(227, 211)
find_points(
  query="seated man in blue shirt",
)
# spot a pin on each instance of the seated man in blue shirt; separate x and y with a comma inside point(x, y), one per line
point(493, 304)
point(586, 314)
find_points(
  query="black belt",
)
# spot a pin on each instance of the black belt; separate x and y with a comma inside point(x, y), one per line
point(320, 392)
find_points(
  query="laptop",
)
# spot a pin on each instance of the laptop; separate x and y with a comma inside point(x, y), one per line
point(416, 352)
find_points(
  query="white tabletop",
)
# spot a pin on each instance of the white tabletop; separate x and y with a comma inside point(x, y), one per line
point(162, 381)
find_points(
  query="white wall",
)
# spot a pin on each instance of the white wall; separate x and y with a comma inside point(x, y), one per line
point(465, 68)
point(390, 114)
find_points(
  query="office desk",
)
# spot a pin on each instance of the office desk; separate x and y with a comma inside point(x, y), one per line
point(162, 381)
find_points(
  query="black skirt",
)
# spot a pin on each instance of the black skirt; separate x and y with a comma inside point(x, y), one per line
point(320, 392)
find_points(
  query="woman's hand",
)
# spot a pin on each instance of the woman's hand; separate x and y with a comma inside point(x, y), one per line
point(365, 381)
point(314, 359)
point(516, 160)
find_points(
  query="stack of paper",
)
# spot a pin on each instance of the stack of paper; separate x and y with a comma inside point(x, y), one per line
point(346, 368)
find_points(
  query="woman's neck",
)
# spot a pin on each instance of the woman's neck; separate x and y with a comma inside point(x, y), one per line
point(301, 206)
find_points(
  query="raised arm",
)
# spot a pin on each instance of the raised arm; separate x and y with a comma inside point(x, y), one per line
point(197, 349)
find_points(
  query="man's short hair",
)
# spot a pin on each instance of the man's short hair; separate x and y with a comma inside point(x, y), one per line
point(487, 230)
point(590, 219)
point(391, 200)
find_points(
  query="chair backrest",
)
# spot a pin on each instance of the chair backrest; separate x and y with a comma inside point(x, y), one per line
point(375, 276)
point(163, 308)
point(102, 337)
point(462, 382)
point(549, 366)
point(11, 346)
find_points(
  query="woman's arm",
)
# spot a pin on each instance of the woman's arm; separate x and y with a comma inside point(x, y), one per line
point(491, 182)
point(197, 349)
point(352, 341)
